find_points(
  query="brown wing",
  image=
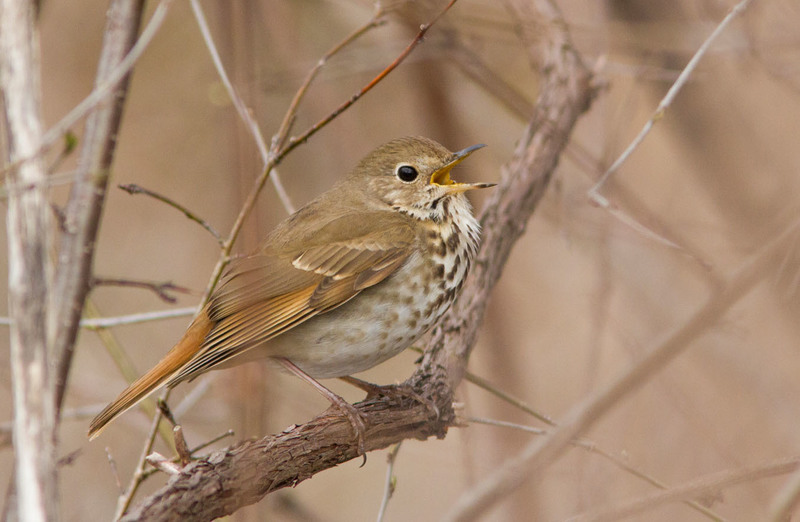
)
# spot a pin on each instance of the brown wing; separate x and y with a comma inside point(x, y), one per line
point(263, 295)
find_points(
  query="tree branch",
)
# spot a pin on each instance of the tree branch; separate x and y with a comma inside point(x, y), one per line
point(242, 474)
point(29, 268)
point(82, 215)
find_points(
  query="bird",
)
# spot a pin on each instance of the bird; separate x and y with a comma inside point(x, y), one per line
point(348, 281)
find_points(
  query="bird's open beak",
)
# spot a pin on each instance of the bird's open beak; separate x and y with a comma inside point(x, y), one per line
point(441, 176)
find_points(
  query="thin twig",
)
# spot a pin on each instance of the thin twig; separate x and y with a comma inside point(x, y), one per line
point(704, 485)
point(100, 92)
point(505, 424)
point(228, 433)
point(594, 192)
point(124, 501)
point(114, 471)
point(240, 106)
point(181, 447)
point(160, 289)
point(194, 395)
point(786, 501)
point(132, 188)
point(494, 390)
point(391, 481)
point(99, 323)
point(592, 447)
point(204, 445)
point(162, 463)
point(163, 408)
point(288, 120)
point(297, 140)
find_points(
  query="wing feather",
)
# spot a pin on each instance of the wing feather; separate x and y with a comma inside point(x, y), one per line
point(265, 294)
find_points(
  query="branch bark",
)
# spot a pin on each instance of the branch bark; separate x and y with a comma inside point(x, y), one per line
point(29, 269)
point(82, 216)
point(243, 473)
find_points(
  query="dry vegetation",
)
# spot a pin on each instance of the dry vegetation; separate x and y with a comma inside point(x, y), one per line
point(661, 330)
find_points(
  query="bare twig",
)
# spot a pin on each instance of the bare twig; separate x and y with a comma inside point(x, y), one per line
point(111, 79)
point(204, 445)
point(165, 412)
point(505, 424)
point(100, 323)
point(114, 471)
point(181, 447)
point(100, 92)
point(391, 481)
point(594, 192)
point(494, 390)
point(241, 108)
point(132, 188)
point(228, 433)
point(787, 500)
point(288, 120)
point(162, 463)
point(702, 486)
point(592, 447)
point(294, 141)
point(160, 289)
point(124, 501)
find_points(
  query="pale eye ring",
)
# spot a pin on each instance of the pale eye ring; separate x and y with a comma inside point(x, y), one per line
point(406, 173)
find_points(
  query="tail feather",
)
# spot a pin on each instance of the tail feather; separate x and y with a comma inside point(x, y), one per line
point(175, 359)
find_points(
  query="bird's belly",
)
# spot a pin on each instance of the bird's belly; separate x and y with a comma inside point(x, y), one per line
point(378, 324)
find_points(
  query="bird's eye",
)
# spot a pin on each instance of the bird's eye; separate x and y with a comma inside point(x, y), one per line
point(406, 173)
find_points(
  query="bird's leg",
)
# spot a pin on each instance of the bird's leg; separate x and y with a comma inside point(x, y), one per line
point(398, 390)
point(350, 411)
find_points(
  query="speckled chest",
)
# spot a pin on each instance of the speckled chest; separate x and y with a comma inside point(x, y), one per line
point(385, 319)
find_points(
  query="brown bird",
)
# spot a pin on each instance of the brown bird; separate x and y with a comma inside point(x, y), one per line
point(345, 283)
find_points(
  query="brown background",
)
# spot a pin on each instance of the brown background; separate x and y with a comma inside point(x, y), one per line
point(583, 295)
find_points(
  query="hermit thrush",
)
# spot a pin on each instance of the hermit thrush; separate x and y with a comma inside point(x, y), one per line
point(348, 281)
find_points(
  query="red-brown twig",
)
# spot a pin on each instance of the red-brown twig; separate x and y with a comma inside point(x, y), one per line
point(288, 120)
point(297, 140)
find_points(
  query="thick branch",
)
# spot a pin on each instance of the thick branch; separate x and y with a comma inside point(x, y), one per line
point(29, 270)
point(565, 94)
point(82, 216)
point(242, 474)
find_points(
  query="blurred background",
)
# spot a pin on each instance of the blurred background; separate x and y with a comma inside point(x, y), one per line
point(582, 298)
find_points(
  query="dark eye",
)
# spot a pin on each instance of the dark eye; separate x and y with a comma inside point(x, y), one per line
point(407, 173)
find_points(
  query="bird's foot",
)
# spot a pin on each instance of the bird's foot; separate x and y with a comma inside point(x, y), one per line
point(392, 390)
point(356, 419)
